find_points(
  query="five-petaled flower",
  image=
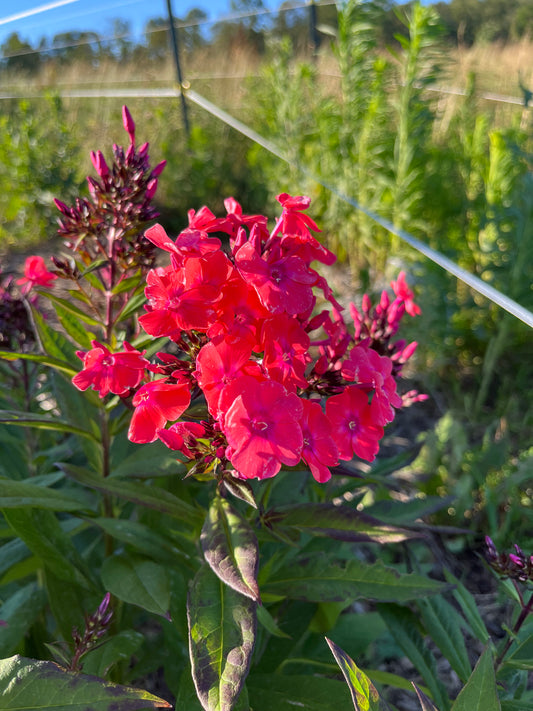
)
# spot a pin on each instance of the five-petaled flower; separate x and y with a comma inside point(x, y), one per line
point(36, 274)
point(107, 372)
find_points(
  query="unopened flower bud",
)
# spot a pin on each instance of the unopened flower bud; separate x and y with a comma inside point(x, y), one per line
point(99, 163)
point(129, 123)
point(158, 169)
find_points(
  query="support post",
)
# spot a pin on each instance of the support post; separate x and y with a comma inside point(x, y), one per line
point(174, 41)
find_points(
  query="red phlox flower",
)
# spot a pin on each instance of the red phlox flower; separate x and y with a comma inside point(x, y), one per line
point(36, 274)
point(157, 403)
point(352, 424)
point(218, 363)
point(286, 351)
point(205, 220)
point(185, 299)
point(190, 243)
point(236, 218)
point(262, 428)
point(284, 284)
point(404, 293)
point(372, 371)
point(293, 220)
point(240, 312)
point(181, 436)
point(319, 450)
point(109, 372)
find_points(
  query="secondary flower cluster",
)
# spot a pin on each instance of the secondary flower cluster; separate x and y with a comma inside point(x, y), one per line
point(282, 383)
point(517, 565)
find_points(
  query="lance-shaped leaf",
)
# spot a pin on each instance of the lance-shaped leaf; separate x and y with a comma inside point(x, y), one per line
point(31, 685)
point(364, 694)
point(320, 579)
point(443, 624)
point(425, 703)
point(64, 305)
point(56, 363)
point(221, 639)
point(340, 522)
point(142, 494)
point(53, 341)
point(19, 613)
point(17, 494)
point(42, 422)
point(138, 581)
point(230, 547)
point(479, 692)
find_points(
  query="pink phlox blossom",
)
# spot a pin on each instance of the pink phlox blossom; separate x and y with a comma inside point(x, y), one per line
point(404, 293)
point(262, 428)
point(218, 363)
point(286, 351)
point(182, 437)
point(284, 284)
point(205, 220)
point(240, 313)
point(190, 243)
point(157, 403)
point(352, 424)
point(107, 372)
point(36, 274)
point(373, 372)
point(319, 449)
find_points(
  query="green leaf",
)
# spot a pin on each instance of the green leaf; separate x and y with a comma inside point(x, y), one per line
point(63, 306)
point(31, 685)
point(443, 625)
point(133, 305)
point(73, 327)
point(56, 363)
point(340, 522)
point(116, 649)
point(364, 694)
point(12, 553)
point(277, 692)
point(469, 607)
point(19, 612)
point(269, 623)
point(148, 542)
point(221, 640)
point(138, 581)
point(522, 657)
point(479, 693)
point(42, 422)
point(52, 340)
point(42, 533)
point(230, 547)
point(320, 579)
point(425, 703)
point(17, 494)
point(144, 494)
point(403, 625)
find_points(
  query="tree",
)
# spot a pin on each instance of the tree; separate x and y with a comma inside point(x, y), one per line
point(19, 55)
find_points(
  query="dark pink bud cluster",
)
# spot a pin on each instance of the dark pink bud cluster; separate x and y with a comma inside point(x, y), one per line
point(281, 384)
point(96, 626)
point(517, 565)
point(110, 222)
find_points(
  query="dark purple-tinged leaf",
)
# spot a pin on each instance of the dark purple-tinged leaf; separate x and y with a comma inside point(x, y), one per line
point(425, 703)
point(364, 694)
point(230, 547)
point(143, 494)
point(240, 489)
point(138, 581)
point(479, 692)
point(31, 685)
point(321, 579)
point(340, 522)
point(222, 626)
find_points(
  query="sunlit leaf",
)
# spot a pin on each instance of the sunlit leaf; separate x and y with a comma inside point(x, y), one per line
point(230, 547)
point(31, 685)
point(42, 422)
point(221, 639)
point(364, 694)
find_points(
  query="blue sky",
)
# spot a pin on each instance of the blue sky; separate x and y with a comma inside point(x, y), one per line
point(95, 15)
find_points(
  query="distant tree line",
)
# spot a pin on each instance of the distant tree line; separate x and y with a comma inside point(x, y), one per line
point(464, 21)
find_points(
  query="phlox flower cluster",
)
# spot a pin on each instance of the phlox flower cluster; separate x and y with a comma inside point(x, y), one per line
point(284, 383)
